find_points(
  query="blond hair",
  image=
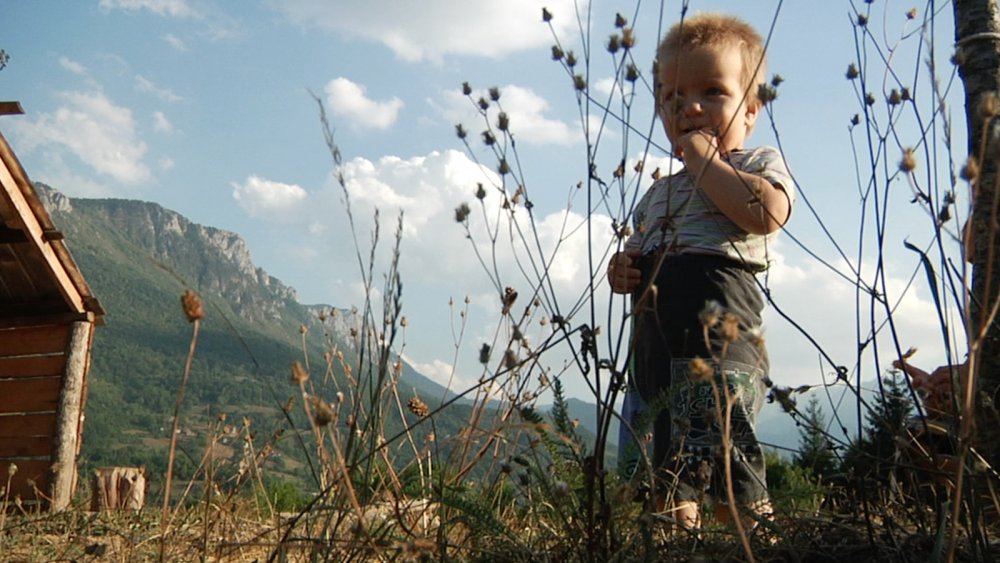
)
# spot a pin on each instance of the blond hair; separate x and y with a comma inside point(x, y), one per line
point(718, 30)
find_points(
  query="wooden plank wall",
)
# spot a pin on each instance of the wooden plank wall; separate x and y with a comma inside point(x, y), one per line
point(32, 362)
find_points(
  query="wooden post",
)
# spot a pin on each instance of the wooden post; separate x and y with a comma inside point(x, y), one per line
point(118, 488)
point(69, 416)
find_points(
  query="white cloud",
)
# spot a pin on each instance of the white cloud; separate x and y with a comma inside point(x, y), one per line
point(274, 201)
point(828, 308)
point(526, 112)
point(347, 99)
point(91, 127)
point(145, 85)
point(442, 373)
point(73, 66)
point(166, 163)
point(433, 29)
point(172, 8)
point(175, 42)
point(161, 124)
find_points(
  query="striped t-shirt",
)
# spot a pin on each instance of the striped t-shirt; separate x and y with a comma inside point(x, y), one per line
point(675, 215)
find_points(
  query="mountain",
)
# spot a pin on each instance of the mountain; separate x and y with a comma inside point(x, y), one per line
point(139, 258)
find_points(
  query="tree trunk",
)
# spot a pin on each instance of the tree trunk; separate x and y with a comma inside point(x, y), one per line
point(977, 36)
point(118, 488)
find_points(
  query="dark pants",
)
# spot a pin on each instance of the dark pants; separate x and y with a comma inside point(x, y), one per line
point(668, 334)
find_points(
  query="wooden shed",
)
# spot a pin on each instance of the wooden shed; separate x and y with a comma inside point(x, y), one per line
point(47, 319)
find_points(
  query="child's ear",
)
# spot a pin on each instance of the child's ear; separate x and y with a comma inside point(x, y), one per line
point(750, 114)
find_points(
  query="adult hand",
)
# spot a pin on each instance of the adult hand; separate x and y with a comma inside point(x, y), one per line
point(623, 276)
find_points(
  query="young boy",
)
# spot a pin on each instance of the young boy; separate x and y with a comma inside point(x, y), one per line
point(700, 236)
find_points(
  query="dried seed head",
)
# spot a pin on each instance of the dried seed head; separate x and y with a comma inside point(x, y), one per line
point(944, 215)
point(711, 314)
point(904, 93)
point(483, 104)
point(299, 373)
point(783, 396)
point(911, 13)
point(323, 413)
point(909, 162)
point(462, 213)
point(466, 89)
point(484, 353)
point(631, 72)
point(620, 21)
point(656, 174)
point(862, 20)
point(869, 99)
point(12, 469)
point(970, 172)
point(192, 306)
point(894, 97)
point(503, 168)
point(756, 336)
point(855, 119)
point(570, 59)
point(766, 94)
point(510, 360)
point(701, 369)
point(503, 122)
point(730, 327)
point(852, 72)
point(557, 53)
point(579, 82)
point(546, 15)
point(614, 43)
point(628, 38)
point(508, 299)
point(488, 138)
point(418, 407)
point(460, 131)
point(494, 93)
point(776, 80)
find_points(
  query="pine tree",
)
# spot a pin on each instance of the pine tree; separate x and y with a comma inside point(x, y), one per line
point(875, 454)
point(815, 450)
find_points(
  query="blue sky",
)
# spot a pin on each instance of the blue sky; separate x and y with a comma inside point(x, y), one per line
point(206, 108)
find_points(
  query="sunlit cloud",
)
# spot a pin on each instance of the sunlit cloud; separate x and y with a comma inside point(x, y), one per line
point(95, 130)
point(145, 85)
point(73, 66)
point(161, 124)
point(349, 100)
point(276, 201)
point(526, 112)
point(166, 163)
point(433, 29)
point(175, 42)
point(171, 8)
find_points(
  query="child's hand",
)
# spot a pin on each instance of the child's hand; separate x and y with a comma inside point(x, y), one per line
point(700, 143)
point(623, 276)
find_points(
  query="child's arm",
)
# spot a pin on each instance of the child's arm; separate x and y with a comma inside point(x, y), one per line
point(751, 202)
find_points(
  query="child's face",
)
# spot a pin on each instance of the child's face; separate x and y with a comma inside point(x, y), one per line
point(702, 89)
